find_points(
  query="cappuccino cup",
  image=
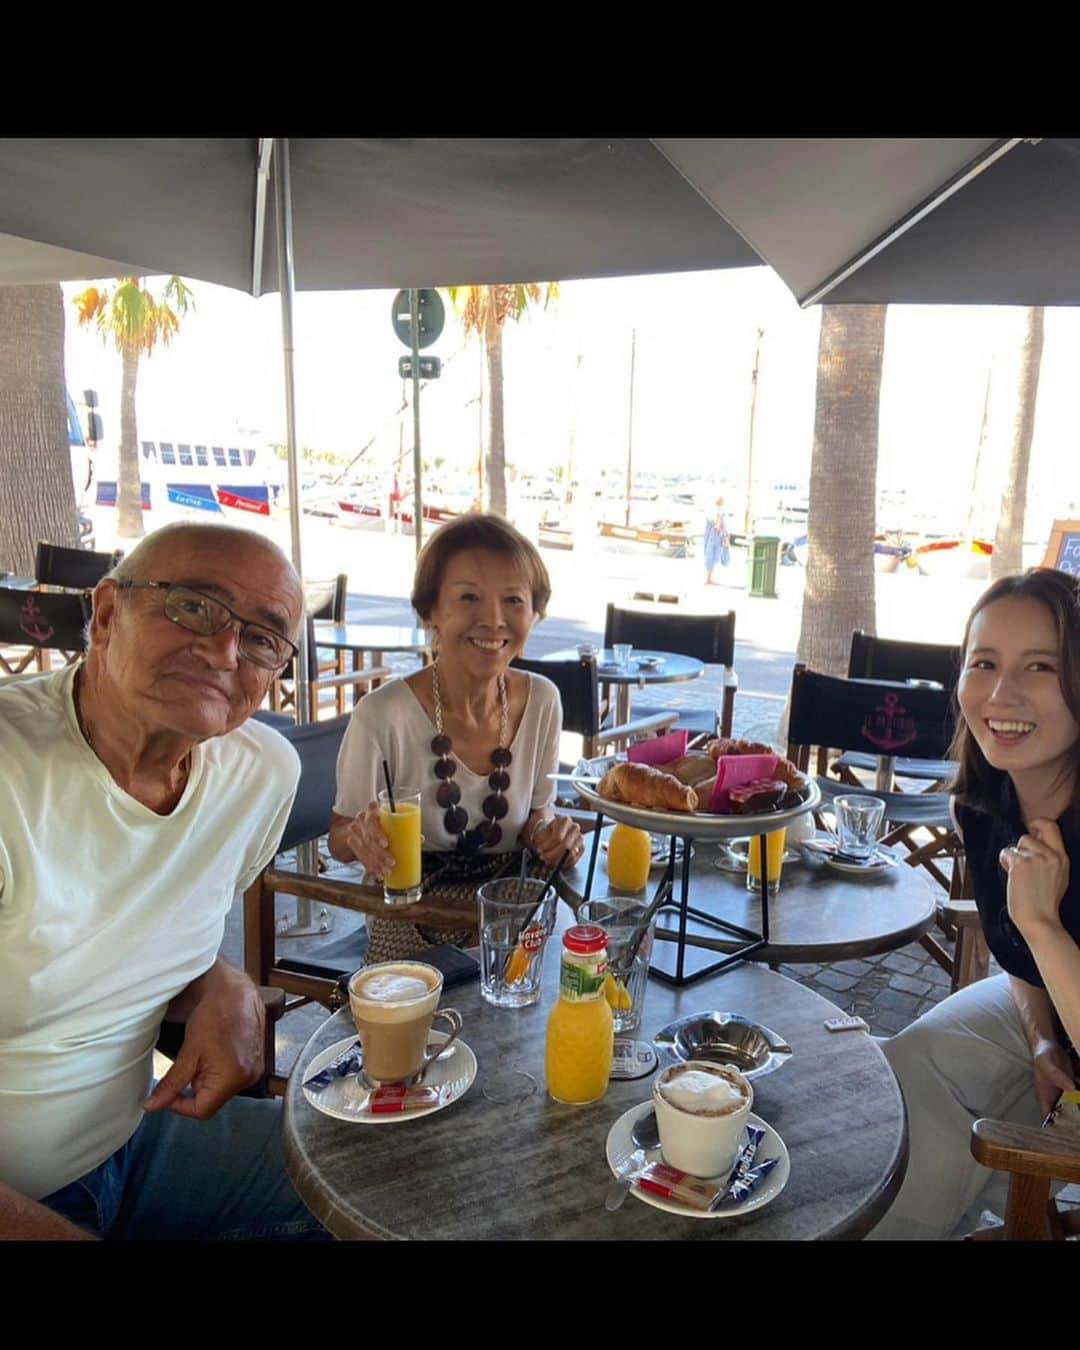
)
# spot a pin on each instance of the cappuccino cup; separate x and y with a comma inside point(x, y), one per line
point(701, 1112)
point(393, 1005)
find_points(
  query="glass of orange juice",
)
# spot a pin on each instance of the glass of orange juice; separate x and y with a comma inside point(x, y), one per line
point(401, 824)
point(774, 861)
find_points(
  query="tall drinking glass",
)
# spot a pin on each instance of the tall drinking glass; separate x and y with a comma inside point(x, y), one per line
point(516, 919)
point(620, 917)
point(774, 861)
point(401, 825)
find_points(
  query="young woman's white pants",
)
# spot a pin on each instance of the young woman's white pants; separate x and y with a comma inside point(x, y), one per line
point(963, 1059)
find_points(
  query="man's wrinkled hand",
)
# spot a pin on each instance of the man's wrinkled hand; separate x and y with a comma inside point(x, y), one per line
point(222, 1052)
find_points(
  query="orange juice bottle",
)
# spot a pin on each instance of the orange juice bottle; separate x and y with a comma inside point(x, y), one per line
point(629, 858)
point(580, 1035)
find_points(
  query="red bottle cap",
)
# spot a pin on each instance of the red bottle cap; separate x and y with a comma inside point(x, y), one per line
point(585, 938)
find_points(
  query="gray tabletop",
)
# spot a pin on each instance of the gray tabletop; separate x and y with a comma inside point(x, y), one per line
point(363, 637)
point(817, 915)
point(536, 1168)
point(673, 670)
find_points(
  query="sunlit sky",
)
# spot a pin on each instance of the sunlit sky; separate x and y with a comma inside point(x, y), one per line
point(567, 371)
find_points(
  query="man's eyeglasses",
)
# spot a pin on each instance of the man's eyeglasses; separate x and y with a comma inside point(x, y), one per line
point(202, 614)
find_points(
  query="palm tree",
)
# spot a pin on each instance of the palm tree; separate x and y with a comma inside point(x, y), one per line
point(1009, 536)
point(37, 497)
point(136, 321)
point(484, 310)
point(839, 592)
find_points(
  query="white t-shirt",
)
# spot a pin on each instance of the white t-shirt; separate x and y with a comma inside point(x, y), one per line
point(108, 911)
point(390, 723)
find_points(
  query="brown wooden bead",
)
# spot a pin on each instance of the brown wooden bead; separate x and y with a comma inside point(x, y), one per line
point(495, 806)
point(448, 794)
point(501, 757)
point(441, 745)
point(490, 833)
point(499, 780)
point(445, 768)
point(456, 819)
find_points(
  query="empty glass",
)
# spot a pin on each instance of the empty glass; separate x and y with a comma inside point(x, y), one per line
point(858, 824)
point(516, 918)
point(621, 651)
point(620, 917)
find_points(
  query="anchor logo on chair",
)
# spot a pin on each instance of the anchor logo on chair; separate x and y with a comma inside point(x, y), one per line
point(888, 726)
point(34, 624)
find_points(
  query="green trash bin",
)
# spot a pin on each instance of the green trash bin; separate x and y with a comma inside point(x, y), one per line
point(764, 556)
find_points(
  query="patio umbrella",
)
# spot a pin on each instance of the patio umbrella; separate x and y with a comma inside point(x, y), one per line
point(933, 220)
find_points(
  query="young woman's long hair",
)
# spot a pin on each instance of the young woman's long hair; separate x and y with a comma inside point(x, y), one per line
point(978, 784)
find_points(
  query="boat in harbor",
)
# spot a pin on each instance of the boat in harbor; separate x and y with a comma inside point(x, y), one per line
point(954, 556)
point(672, 537)
point(185, 477)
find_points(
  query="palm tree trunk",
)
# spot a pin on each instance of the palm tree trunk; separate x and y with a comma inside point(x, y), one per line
point(839, 592)
point(37, 496)
point(496, 465)
point(1009, 536)
point(129, 516)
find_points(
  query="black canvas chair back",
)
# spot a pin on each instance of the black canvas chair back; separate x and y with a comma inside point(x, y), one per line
point(875, 658)
point(878, 717)
point(327, 599)
point(77, 569)
point(578, 688)
point(317, 744)
point(37, 621)
point(706, 637)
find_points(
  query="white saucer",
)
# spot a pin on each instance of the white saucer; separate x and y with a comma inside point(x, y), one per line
point(879, 862)
point(342, 1098)
point(732, 854)
point(619, 1144)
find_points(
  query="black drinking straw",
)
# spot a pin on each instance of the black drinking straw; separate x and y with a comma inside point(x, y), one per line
point(389, 785)
point(551, 877)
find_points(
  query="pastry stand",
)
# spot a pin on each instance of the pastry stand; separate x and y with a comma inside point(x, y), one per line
point(676, 959)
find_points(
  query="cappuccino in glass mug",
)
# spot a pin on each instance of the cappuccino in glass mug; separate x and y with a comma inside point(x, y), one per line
point(393, 1006)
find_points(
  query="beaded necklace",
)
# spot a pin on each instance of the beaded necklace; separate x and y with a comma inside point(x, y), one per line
point(489, 832)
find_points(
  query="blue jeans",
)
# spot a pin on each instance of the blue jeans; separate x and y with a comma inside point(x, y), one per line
point(216, 1180)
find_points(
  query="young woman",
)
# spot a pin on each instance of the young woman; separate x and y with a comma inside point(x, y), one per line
point(1003, 1047)
point(479, 588)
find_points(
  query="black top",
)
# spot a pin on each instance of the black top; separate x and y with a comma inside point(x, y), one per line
point(986, 833)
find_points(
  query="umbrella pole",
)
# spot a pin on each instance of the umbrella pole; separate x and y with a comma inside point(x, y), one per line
point(306, 854)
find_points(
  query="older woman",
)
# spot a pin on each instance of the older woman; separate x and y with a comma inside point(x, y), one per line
point(1003, 1047)
point(479, 738)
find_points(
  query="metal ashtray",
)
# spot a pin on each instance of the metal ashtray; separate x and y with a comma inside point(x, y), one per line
point(724, 1038)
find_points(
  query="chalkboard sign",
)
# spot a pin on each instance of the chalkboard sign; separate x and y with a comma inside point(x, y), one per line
point(1063, 551)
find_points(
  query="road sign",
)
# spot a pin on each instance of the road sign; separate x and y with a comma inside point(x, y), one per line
point(431, 315)
point(430, 367)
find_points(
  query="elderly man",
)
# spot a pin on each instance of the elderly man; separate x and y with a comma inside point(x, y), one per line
point(135, 799)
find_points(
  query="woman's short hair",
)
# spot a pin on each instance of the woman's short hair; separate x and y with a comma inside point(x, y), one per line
point(978, 784)
point(477, 530)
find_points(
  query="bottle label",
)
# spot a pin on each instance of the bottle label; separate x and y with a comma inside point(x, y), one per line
point(582, 983)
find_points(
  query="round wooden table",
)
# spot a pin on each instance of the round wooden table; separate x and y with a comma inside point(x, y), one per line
point(672, 669)
point(817, 914)
point(536, 1169)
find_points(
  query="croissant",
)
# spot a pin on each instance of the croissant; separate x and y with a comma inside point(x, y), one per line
point(738, 747)
point(642, 785)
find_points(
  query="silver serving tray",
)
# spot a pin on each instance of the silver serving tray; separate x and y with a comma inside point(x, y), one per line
point(724, 1038)
point(689, 824)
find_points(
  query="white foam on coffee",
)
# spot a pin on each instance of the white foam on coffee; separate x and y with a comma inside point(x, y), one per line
point(394, 994)
point(700, 1092)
